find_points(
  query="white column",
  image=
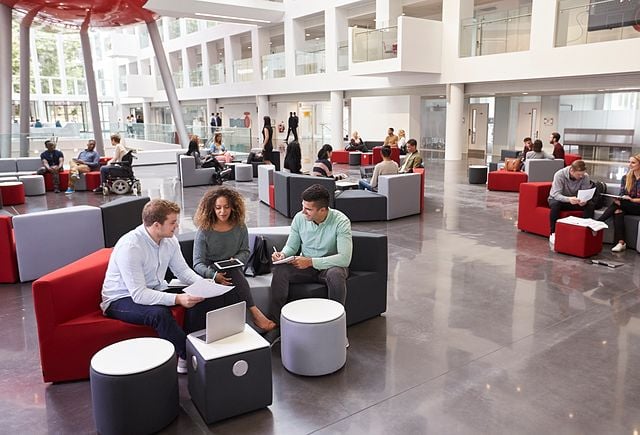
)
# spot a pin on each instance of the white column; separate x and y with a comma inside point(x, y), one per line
point(543, 15)
point(387, 13)
point(232, 51)
point(146, 113)
point(5, 81)
point(454, 132)
point(330, 40)
point(293, 38)
point(25, 85)
point(92, 92)
point(337, 107)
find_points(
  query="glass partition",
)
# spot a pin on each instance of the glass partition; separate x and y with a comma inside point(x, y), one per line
point(195, 77)
point(216, 73)
point(178, 78)
point(343, 55)
point(378, 44)
point(273, 66)
point(310, 62)
point(499, 32)
point(243, 70)
point(587, 21)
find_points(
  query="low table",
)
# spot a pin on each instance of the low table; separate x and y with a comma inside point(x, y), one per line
point(477, 174)
point(313, 336)
point(354, 158)
point(577, 240)
point(12, 192)
point(230, 376)
point(346, 184)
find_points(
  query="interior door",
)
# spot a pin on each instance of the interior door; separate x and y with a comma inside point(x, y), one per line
point(478, 130)
point(528, 122)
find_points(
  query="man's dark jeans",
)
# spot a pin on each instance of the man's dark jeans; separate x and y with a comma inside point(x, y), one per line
point(558, 206)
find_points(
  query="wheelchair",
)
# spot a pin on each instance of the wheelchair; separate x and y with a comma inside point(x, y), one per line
point(120, 179)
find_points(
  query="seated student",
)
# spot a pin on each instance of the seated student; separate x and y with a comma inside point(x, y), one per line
point(118, 154)
point(385, 167)
point(528, 146)
point(356, 143)
point(322, 167)
point(217, 147)
point(222, 234)
point(402, 142)
point(413, 159)
point(537, 152)
point(52, 161)
point(564, 191)
point(629, 203)
point(293, 158)
point(194, 151)
point(88, 160)
point(391, 139)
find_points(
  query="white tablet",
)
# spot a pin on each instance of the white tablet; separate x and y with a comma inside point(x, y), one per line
point(228, 264)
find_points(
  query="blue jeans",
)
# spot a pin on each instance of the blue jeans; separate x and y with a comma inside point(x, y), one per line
point(364, 184)
point(156, 316)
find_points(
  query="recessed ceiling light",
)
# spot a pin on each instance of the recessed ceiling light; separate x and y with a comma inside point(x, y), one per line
point(525, 93)
point(600, 90)
point(307, 34)
point(249, 47)
point(441, 96)
point(317, 39)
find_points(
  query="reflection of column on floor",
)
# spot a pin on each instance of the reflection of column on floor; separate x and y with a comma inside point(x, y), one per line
point(450, 194)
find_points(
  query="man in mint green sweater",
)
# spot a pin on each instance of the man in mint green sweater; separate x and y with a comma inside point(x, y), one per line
point(320, 240)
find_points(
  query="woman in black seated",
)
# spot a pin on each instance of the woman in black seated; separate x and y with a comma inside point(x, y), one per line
point(222, 235)
point(293, 158)
point(356, 143)
point(194, 151)
point(629, 203)
point(322, 167)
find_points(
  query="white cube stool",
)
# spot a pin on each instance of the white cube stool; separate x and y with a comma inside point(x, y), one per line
point(8, 179)
point(134, 386)
point(313, 336)
point(244, 172)
point(33, 184)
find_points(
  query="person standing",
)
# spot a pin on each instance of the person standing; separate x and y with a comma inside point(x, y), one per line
point(558, 149)
point(52, 161)
point(296, 122)
point(290, 123)
point(213, 122)
point(267, 143)
point(219, 119)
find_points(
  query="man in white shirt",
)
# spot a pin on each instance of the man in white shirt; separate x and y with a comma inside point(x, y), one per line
point(134, 285)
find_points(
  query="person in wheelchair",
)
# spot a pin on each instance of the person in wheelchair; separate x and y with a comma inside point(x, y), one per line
point(117, 176)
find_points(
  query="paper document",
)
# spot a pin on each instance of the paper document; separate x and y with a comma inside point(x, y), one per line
point(285, 260)
point(586, 195)
point(176, 283)
point(207, 288)
point(589, 223)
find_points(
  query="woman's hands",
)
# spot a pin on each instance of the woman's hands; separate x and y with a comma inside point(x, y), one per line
point(221, 278)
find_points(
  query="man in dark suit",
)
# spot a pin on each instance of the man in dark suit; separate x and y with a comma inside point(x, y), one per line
point(294, 130)
point(219, 120)
point(290, 124)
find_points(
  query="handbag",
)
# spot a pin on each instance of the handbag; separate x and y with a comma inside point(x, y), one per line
point(259, 262)
point(512, 164)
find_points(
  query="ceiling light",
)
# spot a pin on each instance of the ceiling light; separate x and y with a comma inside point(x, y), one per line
point(307, 34)
point(525, 93)
point(227, 17)
point(317, 39)
point(248, 47)
point(600, 90)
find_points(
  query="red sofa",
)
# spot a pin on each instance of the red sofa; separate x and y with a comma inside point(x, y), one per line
point(8, 260)
point(570, 158)
point(340, 156)
point(71, 326)
point(422, 174)
point(506, 181)
point(377, 156)
point(533, 208)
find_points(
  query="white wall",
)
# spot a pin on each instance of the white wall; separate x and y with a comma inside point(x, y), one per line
point(371, 116)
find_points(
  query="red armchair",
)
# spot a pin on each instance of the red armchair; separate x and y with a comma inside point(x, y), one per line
point(570, 158)
point(8, 260)
point(377, 156)
point(533, 208)
point(71, 326)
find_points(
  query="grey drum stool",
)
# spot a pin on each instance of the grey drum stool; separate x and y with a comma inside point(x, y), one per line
point(313, 336)
point(230, 376)
point(477, 174)
point(33, 184)
point(354, 158)
point(244, 172)
point(134, 386)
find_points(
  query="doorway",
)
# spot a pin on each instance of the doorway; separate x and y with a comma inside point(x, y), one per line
point(477, 133)
point(528, 121)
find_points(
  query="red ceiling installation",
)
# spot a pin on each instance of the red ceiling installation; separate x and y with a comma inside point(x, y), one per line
point(101, 13)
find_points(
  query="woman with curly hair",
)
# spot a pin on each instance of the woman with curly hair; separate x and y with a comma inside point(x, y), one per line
point(222, 234)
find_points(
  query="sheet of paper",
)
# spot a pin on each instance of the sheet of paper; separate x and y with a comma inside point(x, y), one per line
point(207, 288)
point(589, 223)
point(284, 260)
point(176, 283)
point(586, 195)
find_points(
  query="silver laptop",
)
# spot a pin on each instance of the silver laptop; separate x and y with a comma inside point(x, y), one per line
point(224, 322)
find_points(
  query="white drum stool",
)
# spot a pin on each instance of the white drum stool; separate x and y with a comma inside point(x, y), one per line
point(244, 172)
point(313, 336)
point(33, 185)
point(134, 386)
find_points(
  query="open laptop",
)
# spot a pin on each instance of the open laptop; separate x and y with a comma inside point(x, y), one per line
point(366, 172)
point(224, 322)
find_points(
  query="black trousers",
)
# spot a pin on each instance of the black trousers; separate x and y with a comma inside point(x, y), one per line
point(627, 207)
point(558, 206)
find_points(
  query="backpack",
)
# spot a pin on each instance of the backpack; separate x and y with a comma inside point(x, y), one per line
point(601, 188)
point(259, 262)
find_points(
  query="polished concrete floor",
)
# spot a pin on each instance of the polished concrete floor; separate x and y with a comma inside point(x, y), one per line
point(486, 331)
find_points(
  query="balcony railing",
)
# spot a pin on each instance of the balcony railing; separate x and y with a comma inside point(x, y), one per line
point(500, 32)
point(216, 73)
point(195, 77)
point(378, 44)
point(273, 66)
point(243, 70)
point(76, 87)
point(578, 23)
point(343, 55)
point(310, 62)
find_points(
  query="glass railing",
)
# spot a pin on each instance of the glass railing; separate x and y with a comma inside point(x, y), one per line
point(581, 22)
point(216, 73)
point(243, 70)
point(273, 66)
point(195, 77)
point(343, 55)
point(500, 32)
point(378, 44)
point(310, 62)
point(178, 79)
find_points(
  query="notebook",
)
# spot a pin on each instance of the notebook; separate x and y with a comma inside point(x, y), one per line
point(224, 322)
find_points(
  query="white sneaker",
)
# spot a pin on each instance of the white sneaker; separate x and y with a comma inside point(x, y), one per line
point(182, 366)
point(619, 247)
point(347, 344)
point(552, 241)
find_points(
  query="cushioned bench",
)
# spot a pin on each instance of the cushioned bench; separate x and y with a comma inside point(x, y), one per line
point(340, 156)
point(288, 190)
point(506, 181)
point(541, 169)
point(121, 216)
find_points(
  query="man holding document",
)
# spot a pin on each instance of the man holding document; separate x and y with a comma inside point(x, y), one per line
point(565, 194)
point(134, 286)
point(318, 249)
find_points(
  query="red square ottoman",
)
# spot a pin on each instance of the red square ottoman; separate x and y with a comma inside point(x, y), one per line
point(272, 196)
point(577, 241)
point(506, 181)
point(366, 159)
point(340, 156)
point(93, 179)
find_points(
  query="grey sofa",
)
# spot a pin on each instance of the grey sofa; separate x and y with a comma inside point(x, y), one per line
point(19, 166)
point(190, 176)
point(631, 223)
point(542, 169)
point(121, 216)
point(366, 285)
point(288, 190)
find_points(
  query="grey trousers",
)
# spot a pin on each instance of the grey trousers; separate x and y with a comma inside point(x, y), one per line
point(335, 278)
